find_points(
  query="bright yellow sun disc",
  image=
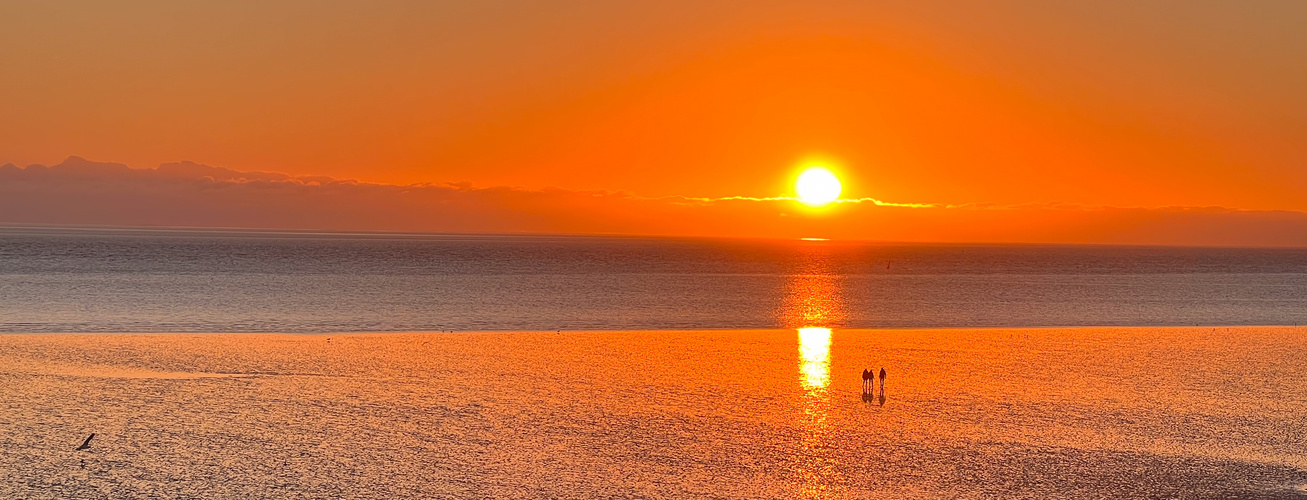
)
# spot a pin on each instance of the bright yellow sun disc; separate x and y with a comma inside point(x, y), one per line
point(817, 186)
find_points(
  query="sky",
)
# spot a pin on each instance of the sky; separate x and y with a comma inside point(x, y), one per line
point(986, 109)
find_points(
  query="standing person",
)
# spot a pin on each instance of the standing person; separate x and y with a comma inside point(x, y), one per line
point(882, 380)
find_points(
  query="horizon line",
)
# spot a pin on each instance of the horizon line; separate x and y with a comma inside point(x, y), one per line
point(6, 226)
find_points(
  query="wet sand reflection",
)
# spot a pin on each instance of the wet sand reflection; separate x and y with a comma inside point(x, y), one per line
point(816, 465)
point(814, 358)
point(1051, 413)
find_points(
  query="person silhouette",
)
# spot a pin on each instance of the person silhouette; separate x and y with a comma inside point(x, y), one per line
point(866, 377)
point(882, 380)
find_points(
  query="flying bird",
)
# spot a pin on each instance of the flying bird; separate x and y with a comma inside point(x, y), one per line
point(86, 444)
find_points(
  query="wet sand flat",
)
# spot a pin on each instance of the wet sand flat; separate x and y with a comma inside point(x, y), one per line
point(1035, 413)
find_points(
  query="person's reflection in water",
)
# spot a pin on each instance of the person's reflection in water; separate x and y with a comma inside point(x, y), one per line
point(873, 398)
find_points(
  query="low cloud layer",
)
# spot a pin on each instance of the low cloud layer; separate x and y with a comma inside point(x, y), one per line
point(82, 192)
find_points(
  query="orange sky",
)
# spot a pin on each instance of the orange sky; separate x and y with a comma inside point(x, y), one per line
point(1110, 103)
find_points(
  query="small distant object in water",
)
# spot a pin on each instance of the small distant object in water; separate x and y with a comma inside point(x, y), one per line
point(328, 339)
point(86, 445)
point(887, 264)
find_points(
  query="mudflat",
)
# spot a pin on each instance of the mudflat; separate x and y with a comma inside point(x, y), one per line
point(1060, 412)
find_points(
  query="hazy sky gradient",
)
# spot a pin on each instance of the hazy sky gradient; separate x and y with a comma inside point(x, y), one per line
point(193, 195)
point(1122, 103)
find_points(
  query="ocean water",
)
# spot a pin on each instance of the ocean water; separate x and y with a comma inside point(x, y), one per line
point(121, 280)
point(990, 413)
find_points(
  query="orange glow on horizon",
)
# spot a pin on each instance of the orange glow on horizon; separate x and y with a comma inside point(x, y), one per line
point(673, 118)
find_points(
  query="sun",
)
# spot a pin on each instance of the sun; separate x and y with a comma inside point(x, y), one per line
point(817, 186)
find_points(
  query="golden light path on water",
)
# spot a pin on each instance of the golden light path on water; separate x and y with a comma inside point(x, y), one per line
point(814, 357)
point(812, 305)
point(815, 466)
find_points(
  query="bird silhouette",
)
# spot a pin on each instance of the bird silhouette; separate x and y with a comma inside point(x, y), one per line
point(86, 444)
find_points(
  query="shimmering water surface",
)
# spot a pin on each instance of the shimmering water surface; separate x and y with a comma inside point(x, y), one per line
point(736, 372)
point(1034, 413)
point(98, 280)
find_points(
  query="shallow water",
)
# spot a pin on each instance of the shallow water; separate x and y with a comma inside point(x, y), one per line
point(1035, 413)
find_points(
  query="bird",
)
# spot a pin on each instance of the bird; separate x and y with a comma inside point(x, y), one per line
point(86, 444)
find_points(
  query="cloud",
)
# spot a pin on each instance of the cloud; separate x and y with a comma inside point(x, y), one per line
point(82, 192)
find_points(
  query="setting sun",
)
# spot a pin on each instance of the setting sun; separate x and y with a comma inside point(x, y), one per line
point(817, 186)
point(516, 248)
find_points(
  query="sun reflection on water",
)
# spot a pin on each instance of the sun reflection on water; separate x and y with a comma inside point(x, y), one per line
point(812, 306)
point(812, 300)
point(814, 357)
point(815, 466)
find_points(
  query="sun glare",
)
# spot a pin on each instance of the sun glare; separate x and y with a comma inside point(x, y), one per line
point(817, 186)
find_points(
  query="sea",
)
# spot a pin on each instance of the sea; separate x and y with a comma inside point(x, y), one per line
point(168, 280)
point(165, 363)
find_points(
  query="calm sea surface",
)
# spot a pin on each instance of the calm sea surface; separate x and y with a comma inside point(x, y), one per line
point(991, 413)
point(70, 280)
